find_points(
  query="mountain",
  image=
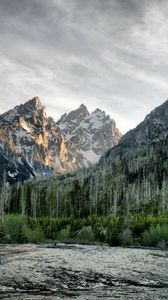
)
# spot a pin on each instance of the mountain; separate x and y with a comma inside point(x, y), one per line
point(93, 134)
point(14, 167)
point(149, 134)
point(130, 178)
point(138, 165)
point(32, 144)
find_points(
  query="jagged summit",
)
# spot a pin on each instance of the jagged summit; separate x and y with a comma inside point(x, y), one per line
point(75, 116)
point(25, 109)
point(27, 134)
point(33, 104)
point(30, 138)
point(78, 114)
point(98, 111)
point(93, 133)
point(83, 108)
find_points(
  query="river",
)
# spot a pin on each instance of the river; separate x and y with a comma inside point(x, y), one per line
point(82, 272)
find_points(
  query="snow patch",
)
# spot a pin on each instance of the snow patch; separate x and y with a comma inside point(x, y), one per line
point(13, 174)
point(90, 155)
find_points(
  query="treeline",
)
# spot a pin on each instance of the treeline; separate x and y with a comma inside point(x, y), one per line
point(135, 230)
point(104, 201)
point(129, 183)
point(98, 193)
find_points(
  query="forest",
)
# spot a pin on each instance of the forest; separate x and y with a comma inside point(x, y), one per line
point(118, 202)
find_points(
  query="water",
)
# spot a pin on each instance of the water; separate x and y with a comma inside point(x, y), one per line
point(82, 272)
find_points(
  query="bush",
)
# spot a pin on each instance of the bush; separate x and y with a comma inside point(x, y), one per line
point(2, 233)
point(140, 229)
point(15, 228)
point(113, 232)
point(126, 238)
point(155, 236)
point(100, 233)
point(35, 236)
point(85, 234)
point(64, 234)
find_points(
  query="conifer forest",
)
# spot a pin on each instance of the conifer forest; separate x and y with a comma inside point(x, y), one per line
point(120, 201)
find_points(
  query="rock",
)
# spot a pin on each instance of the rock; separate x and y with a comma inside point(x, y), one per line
point(93, 134)
point(32, 144)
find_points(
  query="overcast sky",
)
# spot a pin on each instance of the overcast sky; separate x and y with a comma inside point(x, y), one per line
point(111, 54)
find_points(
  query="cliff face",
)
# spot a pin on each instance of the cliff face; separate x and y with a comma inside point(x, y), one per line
point(93, 134)
point(29, 137)
point(26, 133)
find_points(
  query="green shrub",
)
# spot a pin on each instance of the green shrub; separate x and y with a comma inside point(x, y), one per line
point(139, 229)
point(155, 236)
point(113, 231)
point(100, 233)
point(2, 233)
point(126, 238)
point(85, 234)
point(64, 234)
point(35, 236)
point(15, 228)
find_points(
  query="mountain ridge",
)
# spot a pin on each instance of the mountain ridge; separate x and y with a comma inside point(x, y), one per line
point(27, 132)
point(131, 178)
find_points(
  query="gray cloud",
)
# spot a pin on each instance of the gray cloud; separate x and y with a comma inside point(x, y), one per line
point(110, 54)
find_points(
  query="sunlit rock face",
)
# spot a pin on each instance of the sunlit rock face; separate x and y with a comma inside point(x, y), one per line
point(26, 132)
point(29, 137)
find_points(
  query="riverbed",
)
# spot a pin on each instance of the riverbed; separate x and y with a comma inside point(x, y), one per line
point(82, 272)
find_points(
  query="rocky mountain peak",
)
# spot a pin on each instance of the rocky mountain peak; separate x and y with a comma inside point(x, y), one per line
point(99, 116)
point(28, 110)
point(92, 134)
point(27, 134)
point(78, 114)
point(73, 119)
point(83, 109)
point(32, 105)
point(98, 111)
point(77, 140)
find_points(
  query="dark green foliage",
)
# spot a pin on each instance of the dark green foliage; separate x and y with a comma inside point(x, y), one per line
point(85, 234)
point(64, 234)
point(14, 228)
point(113, 232)
point(2, 232)
point(156, 236)
point(147, 230)
point(137, 185)
point(118, 202)
point(35, 236)
point(75, 196)
point(126, 237)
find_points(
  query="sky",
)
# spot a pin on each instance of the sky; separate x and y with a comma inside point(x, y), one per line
point(111, 54)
